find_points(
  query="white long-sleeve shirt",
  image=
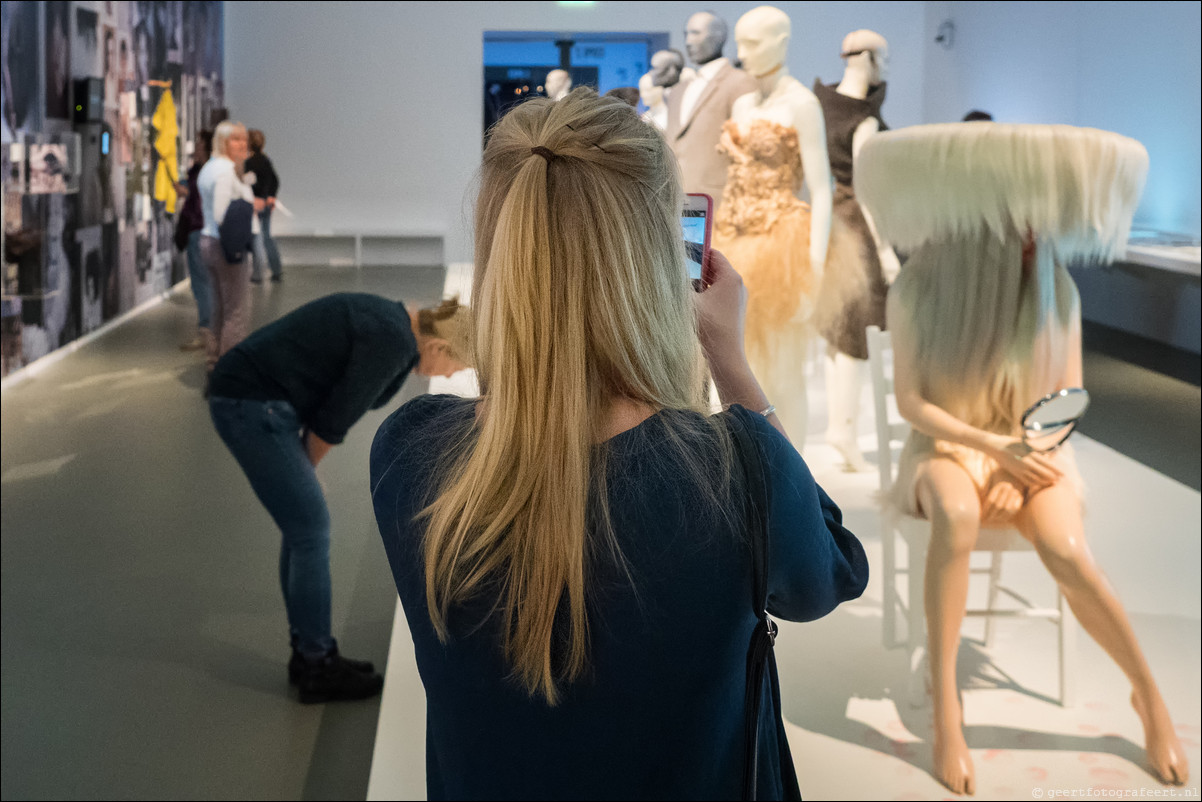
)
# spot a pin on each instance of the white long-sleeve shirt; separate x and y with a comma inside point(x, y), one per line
point(218, 184)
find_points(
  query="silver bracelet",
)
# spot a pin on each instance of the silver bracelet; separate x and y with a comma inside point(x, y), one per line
point(771, 408)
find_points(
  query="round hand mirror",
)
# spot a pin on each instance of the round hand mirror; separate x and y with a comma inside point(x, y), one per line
point(1051, 419)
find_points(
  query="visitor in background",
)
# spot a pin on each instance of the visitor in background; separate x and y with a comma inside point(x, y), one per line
point(280, 400)
point(266, 185)
point(629, 94)
point(976, 115)
point(220, 182)
point(189, 229)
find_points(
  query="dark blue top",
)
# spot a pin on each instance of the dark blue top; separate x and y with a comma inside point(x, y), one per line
point(333, 359)
point(660, 713)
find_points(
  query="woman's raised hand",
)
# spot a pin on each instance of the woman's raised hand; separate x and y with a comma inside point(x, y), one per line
point(721, 308)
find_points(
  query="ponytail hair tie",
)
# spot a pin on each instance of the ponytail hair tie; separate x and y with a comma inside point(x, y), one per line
point(545, 153)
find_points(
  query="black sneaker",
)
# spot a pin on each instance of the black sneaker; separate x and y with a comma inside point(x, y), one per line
point(334, 679)
point(277, 277)
point(296, 665)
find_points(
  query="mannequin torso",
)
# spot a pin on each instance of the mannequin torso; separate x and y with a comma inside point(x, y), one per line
point(852, 113)
point(652, 97)
point(775, 137)
point(782, 99)
point(858, 83)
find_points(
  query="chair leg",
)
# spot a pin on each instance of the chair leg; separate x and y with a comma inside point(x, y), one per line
point(995, 576)
point(1067, 641)
point(889, 584)
point(916, 630)
point(919, 685)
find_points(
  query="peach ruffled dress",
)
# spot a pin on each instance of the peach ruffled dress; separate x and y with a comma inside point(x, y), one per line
point(763, 228)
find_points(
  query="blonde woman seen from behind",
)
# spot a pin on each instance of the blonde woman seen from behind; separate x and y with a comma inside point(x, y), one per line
point(570, 549)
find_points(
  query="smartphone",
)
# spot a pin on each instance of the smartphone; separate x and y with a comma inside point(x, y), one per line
point(696, 222)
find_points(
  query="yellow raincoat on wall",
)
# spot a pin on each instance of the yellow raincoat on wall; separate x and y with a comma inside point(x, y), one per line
point(167, 174)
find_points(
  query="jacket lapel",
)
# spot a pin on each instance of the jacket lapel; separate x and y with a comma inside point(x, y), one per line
point(706, 94)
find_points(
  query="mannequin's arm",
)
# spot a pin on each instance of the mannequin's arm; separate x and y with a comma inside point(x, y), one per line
point(811, 133)
point(922, 414)
point(889, 264)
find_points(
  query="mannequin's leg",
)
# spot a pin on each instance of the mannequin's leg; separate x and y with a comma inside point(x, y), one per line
point(952, 503)
point(781, 373)
point(1051, 520)
point(786, 387)
point(844, 380)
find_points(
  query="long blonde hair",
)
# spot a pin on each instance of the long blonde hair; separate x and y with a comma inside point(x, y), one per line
point(580, 296)
point(989, 324)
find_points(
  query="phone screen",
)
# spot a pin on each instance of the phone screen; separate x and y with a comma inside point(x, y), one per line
point(692, 222)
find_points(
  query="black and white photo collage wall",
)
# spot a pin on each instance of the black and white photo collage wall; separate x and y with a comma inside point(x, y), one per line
point(102, 103)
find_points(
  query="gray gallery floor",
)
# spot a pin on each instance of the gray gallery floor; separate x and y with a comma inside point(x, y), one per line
point(143, 634)
point(144, 638)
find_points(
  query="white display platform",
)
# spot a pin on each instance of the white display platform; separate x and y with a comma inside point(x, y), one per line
point(359, 247)
point(398, 765)
point(1165, 251)
point(1186, 259)
point(849, 738)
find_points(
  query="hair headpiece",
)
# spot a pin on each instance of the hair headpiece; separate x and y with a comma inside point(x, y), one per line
point(1075, 188)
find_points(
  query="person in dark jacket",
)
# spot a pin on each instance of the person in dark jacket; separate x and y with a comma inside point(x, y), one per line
point(266, 187)
point(281, 399)
point(192, 221)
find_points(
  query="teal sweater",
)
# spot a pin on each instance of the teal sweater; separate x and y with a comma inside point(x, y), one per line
point(660, 712)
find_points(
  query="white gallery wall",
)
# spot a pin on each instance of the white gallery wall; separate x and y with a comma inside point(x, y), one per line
point(374, 111)
point(1130, 67)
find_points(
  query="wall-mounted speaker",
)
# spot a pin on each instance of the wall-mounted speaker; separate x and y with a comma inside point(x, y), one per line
point(89, 100)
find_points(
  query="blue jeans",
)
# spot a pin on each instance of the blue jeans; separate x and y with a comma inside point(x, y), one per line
point(264, 249)
point(264, 437)
point(202, 287)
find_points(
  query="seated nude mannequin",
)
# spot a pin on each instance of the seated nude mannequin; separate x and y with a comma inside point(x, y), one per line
point(984, 323)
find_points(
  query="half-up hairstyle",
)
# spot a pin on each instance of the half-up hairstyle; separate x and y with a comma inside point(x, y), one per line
point(580, 296)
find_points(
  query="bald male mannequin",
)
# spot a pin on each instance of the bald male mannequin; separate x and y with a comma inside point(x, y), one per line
point(697, 109)
point(667, 68)
point(559, 83)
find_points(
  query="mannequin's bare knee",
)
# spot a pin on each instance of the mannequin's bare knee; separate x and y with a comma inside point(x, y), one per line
point(950, 502)
point(954, 526)
point(1070, 564)
point(1056, 530)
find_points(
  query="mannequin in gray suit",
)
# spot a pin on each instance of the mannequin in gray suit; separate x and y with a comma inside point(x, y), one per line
point(697, 108)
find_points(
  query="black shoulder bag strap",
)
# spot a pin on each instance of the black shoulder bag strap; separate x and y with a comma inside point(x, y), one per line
point(759, 651)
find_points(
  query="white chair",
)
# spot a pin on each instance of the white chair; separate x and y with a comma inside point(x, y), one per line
point(916, 533)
